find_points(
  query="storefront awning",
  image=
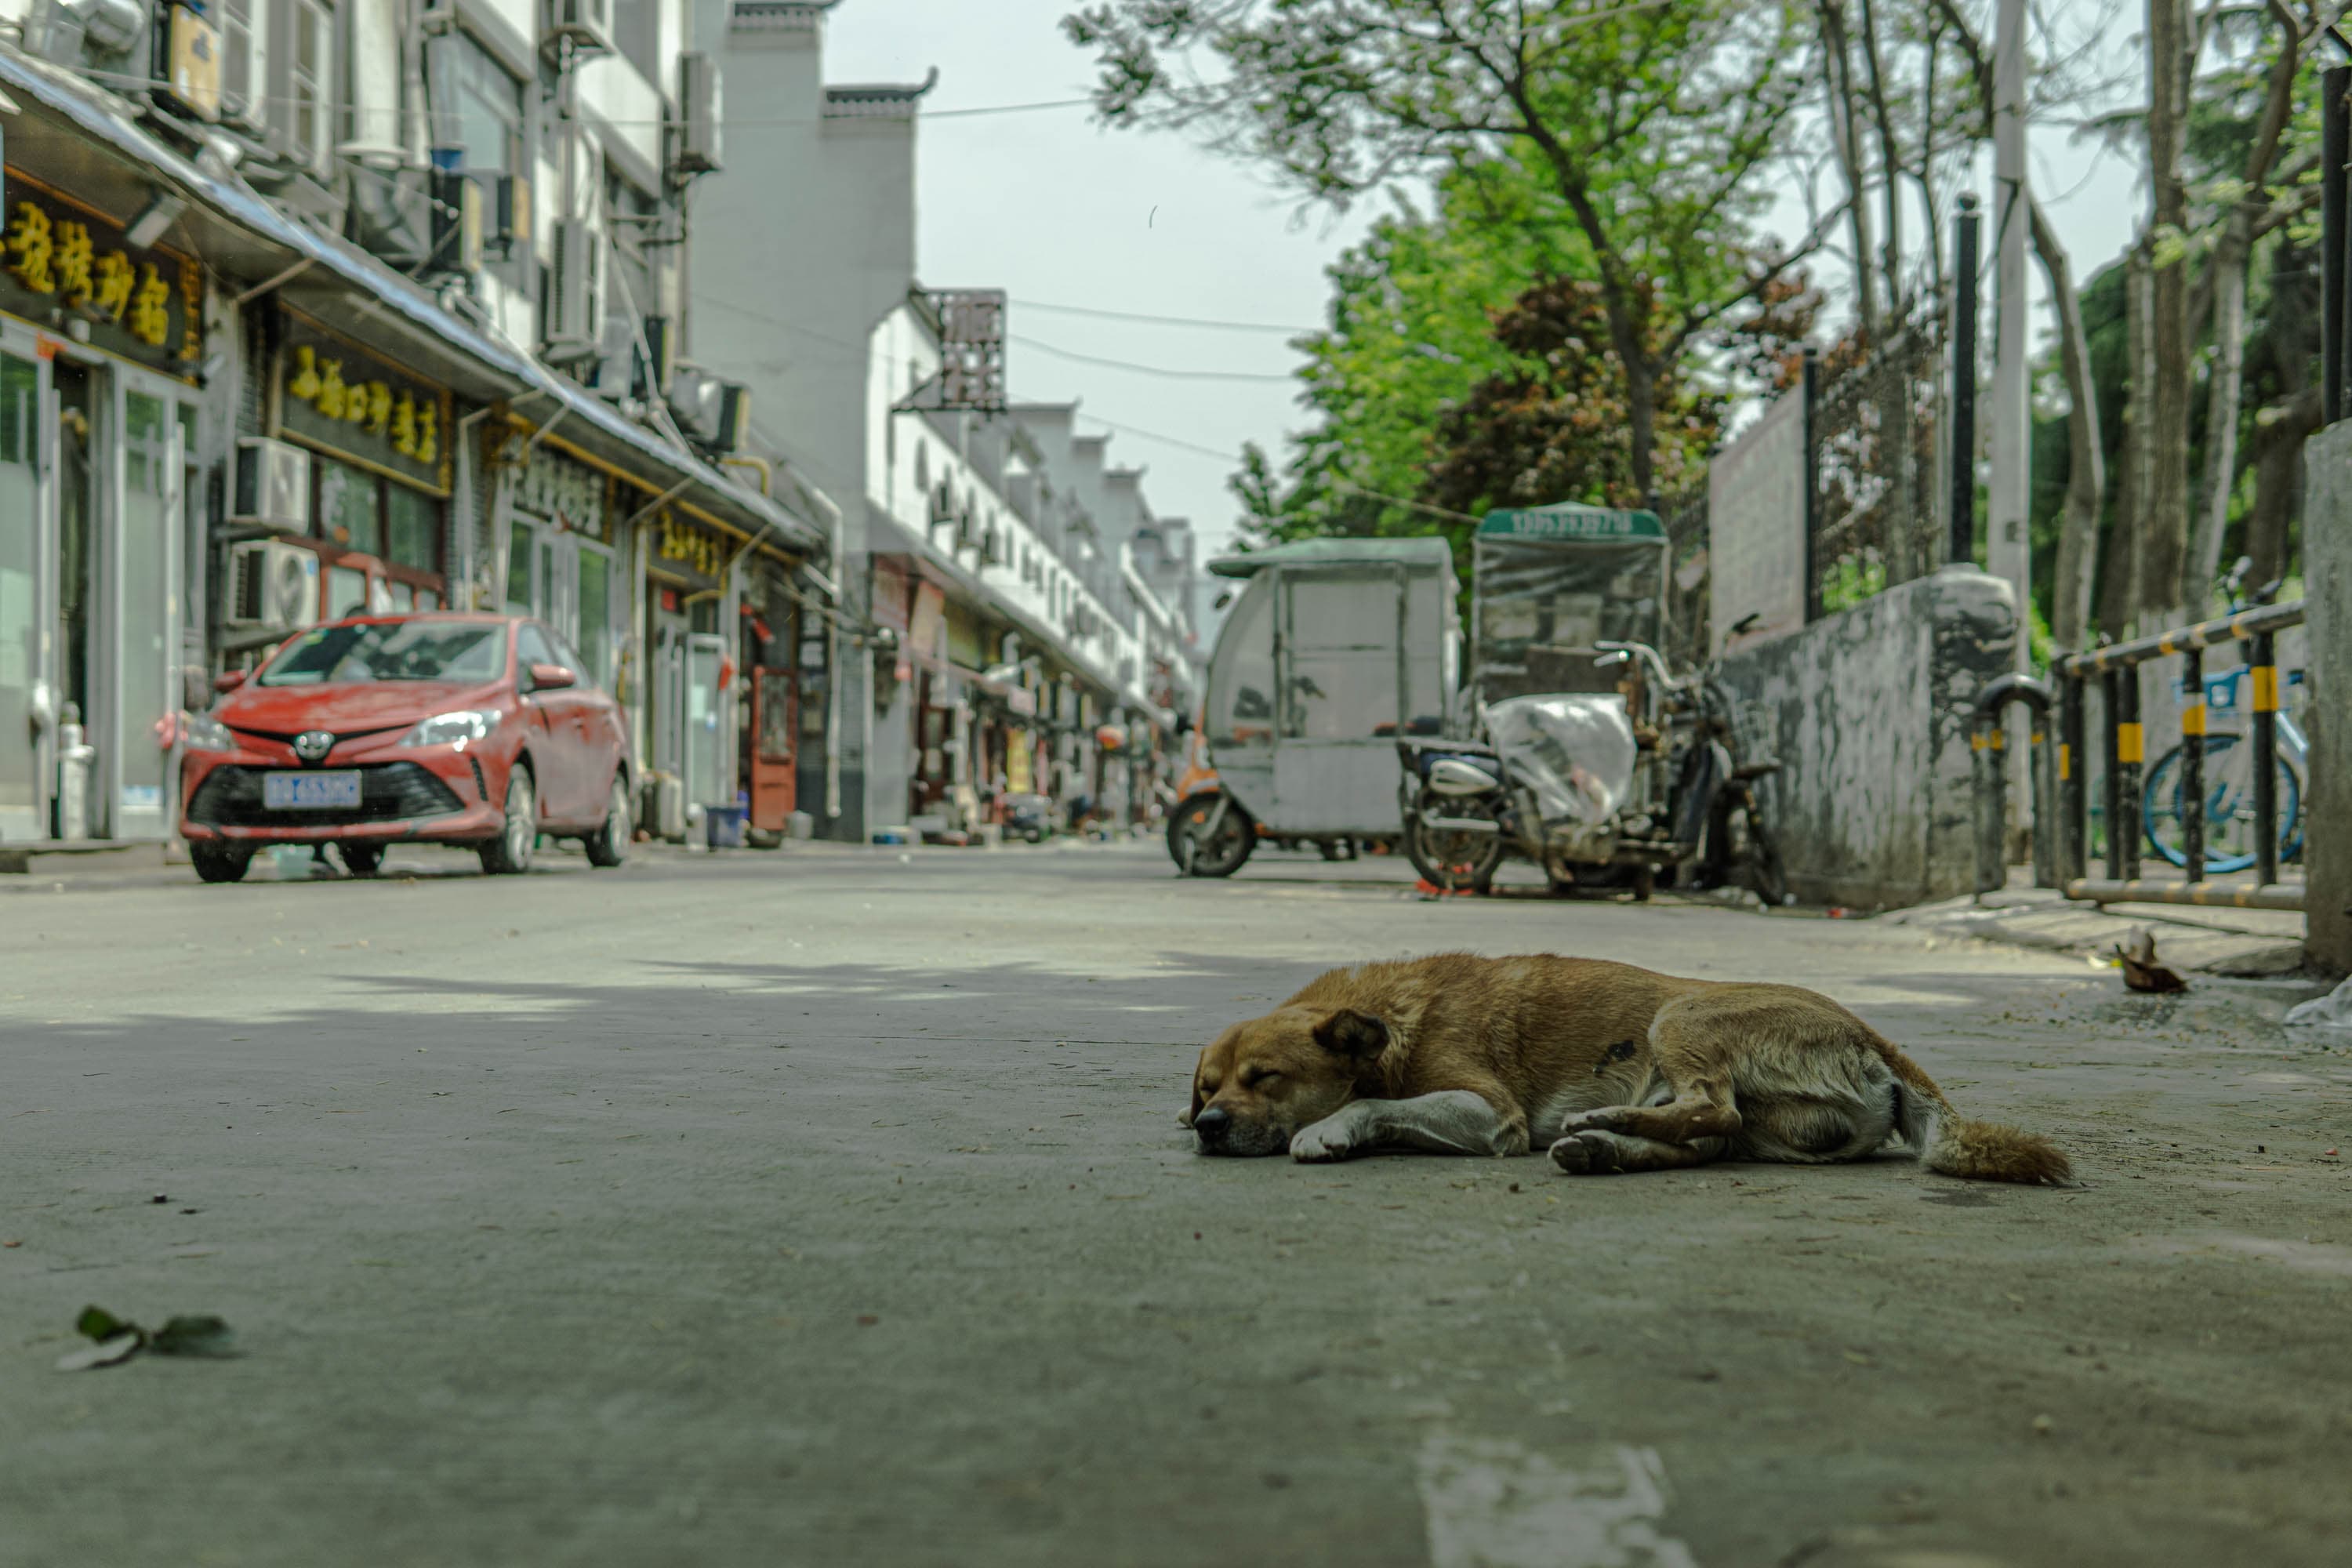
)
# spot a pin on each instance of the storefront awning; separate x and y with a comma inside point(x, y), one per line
point(247, 231)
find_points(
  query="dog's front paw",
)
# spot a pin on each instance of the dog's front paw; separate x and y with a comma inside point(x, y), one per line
point(1588, 1153)
point(1324, 1142)
point(1599, 1119)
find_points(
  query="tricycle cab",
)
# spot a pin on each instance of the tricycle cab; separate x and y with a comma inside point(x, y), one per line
point(1550, 585)
point(1334, 649)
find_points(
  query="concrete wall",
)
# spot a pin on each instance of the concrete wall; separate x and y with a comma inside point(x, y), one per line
point(2328, 787)
point(1868, 713)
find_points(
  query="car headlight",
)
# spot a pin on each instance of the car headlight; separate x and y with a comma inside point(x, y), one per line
point(205, 733)
point(444, 729)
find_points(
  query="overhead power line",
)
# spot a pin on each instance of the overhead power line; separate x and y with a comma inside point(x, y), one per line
point(1165, 320)
point(1165, 370)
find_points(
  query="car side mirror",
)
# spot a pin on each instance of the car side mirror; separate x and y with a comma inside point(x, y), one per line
point(229, 681)
point(551, 678)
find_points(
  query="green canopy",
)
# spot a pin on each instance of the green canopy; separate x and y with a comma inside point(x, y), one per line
point(1414, 554)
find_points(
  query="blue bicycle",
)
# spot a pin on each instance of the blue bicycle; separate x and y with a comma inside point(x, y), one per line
point(2228, 802)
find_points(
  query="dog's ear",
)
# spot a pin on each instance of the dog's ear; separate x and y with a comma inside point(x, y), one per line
point(1186, 1119)
point(1348, 1033)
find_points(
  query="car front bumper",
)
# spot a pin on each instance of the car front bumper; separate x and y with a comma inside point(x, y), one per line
point(424, 794)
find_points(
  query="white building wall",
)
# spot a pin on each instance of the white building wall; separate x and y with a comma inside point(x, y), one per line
point(1043, 598)
point(800, 247)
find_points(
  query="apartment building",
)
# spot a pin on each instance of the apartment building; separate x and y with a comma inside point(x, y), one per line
point(310, 305)
point(1011, 651)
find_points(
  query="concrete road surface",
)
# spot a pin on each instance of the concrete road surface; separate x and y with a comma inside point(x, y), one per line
point(830, 1207)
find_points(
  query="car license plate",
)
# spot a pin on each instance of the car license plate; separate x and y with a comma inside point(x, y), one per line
point(311, 792)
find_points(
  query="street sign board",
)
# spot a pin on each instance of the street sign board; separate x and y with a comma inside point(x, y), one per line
point(1571, 521)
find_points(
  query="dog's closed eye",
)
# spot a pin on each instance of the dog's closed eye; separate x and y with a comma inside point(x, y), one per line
point(1256, 1075)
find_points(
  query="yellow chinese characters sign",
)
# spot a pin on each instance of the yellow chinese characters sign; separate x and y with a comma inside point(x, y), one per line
point(691, 545)
point(61, 263)
point(354, 404)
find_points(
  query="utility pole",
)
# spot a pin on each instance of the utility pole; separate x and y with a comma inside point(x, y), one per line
point(2009, 543)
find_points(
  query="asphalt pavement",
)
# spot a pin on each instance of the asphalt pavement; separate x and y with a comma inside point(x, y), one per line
point(829, 1205)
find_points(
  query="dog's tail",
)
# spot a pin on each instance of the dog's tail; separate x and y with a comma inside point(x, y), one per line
point(1955, 1146)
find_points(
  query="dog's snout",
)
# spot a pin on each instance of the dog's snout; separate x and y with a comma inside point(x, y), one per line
point(1211, 1124)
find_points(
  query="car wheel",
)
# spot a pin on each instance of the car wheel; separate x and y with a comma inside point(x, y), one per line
point(609, 845)
point(509, 853)
point(362, 860)
point(220, 862)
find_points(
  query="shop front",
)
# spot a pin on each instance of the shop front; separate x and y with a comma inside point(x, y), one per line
point(690, 670)
point(103, 430)
point(380, 464)
point(561, 556)
point(769, 621)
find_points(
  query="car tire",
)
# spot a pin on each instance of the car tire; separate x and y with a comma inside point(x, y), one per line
point(609, 845)
point(362, 859)
point(220, 862)
point(509, 855)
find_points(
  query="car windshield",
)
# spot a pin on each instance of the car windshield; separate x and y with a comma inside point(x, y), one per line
point(392, 650)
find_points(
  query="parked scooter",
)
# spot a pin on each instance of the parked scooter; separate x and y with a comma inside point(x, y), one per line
point(1574, 782)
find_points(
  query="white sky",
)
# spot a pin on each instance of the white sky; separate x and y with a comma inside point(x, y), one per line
point(1058, 212)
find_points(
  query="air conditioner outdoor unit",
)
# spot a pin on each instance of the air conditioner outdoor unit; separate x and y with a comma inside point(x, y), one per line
point(457, 222)
point(733, 427)
point(575, 305)
point(700, 115)
point(245, 61)
point(273, 486)
point(587, 23)
point(272, 586)
point(509, 212)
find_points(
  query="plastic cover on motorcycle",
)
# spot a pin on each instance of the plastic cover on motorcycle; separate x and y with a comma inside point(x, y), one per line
point(1576, 752)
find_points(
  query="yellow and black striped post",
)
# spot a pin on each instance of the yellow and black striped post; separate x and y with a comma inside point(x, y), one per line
point(2073, 797)
point(2263, 672)
point(2189, 791)
point(2128, 749)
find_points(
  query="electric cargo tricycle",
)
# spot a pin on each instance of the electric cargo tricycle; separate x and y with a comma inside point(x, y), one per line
point(1585, 756)
point(1334, 650)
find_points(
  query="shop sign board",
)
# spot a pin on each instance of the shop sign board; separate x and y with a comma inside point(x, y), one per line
point(61, 263)
point(681, 543)
point(560, 489)
point(348, 402)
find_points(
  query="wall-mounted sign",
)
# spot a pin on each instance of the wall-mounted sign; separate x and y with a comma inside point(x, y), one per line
point(61, 263)
point(681, 543)
point(560, 489)
point(351, 403)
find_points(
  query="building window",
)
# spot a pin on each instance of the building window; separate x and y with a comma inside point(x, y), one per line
point(357, 513)
point(236, 57)
point(489, 111)
point(307, 90)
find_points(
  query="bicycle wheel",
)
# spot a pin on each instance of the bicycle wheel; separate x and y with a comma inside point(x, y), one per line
point(2229, 806)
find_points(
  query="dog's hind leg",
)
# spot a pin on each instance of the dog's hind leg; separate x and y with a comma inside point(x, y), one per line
point(1594, 1152)
point(1686, 1050)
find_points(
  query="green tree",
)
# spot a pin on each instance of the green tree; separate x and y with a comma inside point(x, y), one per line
point(1410, 333)
point(1649, 123)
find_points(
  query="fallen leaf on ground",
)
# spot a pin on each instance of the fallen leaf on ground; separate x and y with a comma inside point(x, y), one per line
point(2141, 972)
point(116, 1340)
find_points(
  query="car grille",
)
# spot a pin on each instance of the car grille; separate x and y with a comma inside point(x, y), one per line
point(389, 791)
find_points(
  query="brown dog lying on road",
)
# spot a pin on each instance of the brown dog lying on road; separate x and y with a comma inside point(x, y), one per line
point(1630, 1071)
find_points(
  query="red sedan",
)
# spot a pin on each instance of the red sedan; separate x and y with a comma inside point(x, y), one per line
point(382, 730)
